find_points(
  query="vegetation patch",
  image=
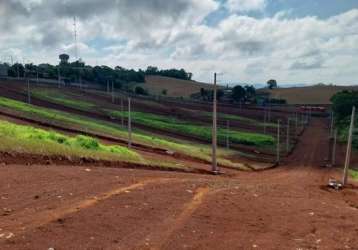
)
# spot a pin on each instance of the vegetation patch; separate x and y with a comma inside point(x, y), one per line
point(241, 119)
point(199, 151)
point(56, 97)
point(175, 125)
point(28, 139)
point(342, 104)
point(354, 174)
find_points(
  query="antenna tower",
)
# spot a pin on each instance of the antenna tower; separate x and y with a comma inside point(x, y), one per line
point(75, 36)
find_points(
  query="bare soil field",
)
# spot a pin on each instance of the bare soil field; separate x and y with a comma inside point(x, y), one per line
point(73, 207)
point(308, 95)
point(174, 87)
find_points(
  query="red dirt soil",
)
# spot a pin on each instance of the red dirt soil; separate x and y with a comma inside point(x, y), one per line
point(106, 208)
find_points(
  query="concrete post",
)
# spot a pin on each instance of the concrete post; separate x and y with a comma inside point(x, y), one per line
point(278, 143)
point(349, 148)
point(129, 124)
point(334, 148)
point(214, 130)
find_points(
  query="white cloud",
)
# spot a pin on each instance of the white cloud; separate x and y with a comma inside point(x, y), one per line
point(246, 5)
point(169, 34)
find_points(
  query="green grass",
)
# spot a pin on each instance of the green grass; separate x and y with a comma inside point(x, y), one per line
point(204, 132)
point(354, 174)
point(343, 130)
point(59, 98)
point(172, 124)
point(106, 128)
point(239, 118)
point(27, 139)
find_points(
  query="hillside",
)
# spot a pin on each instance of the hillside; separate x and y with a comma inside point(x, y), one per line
point(174, 87)
point(318, 94)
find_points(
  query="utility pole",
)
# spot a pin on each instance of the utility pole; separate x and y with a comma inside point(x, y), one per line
point(331, 126)
point(265, 120)
point(349, 148)
point(227, 134)
point(80, 78)
point(214, 138)
point(288, 136)
point(28, 91)
point(334, 148)
point(59, 77)
point(307, 117)
point(269, 113)
point(296, 125)
point(129, 124)
point(28, 86)
point(37, 75)
point(112, 92)
point(17, 69)
point(278, 143)
point(107, 86)
point(122, 112)
point(75, 36)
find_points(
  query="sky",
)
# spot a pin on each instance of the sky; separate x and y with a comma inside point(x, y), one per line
point(247, 41)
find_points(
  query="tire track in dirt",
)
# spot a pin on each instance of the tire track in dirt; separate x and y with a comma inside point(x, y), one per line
point(159, 239)
point(43, 218)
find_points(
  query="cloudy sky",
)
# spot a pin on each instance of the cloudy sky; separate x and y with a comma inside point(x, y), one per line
point(293, 41)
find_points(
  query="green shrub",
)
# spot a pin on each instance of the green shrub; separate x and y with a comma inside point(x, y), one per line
point(87, 142)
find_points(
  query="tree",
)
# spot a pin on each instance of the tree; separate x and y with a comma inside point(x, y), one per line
point(219, 94)
point(151, 70)
point(174, 73)
point(238, 93)
point(17, 69)
point(250, 91)
point(202, 92)
point(272, 84)
point(140, 91)
point(343, 102)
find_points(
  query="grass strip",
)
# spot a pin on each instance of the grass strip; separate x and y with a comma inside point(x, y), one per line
point(63, 99)
point(230, 117)
point(27, 139)
point(199, 151)
point(175, 125)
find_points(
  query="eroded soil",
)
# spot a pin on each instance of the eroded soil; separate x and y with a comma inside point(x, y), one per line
point(85, 207)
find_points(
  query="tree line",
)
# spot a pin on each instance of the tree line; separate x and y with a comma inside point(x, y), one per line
point(236, 94)
point(174, 73)
point(79, 71)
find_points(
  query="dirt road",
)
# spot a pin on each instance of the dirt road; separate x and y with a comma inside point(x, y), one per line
point(95, 208)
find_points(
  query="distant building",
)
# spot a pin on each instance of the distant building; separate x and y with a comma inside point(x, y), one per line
point(4, 70)
point(64, 58)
